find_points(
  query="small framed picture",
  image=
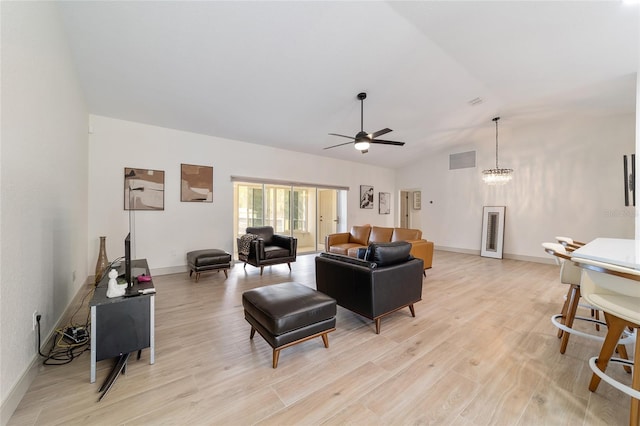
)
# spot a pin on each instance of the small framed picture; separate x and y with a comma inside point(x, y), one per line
point(143, 189)
point(196, 183)
point(384, 206)
point(366, 197)
point(417, 200)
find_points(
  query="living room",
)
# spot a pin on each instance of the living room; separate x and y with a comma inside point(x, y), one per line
point(62, 166)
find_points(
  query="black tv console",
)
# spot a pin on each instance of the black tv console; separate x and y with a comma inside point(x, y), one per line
point(121, 325)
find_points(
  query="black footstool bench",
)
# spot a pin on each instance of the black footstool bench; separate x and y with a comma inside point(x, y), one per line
point(289, 313)
point(208, 260)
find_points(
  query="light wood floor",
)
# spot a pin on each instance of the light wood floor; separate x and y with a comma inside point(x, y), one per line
point(480, 351)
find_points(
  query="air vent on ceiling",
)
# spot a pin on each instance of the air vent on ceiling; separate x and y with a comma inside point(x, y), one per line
point(462, 160)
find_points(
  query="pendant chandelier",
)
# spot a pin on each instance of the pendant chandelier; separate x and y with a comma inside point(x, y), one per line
point(497, 176)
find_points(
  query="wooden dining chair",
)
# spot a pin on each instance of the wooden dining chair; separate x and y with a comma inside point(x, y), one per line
point(616, 291)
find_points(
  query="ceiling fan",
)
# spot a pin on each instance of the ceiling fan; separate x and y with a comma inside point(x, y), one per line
point(362, 140)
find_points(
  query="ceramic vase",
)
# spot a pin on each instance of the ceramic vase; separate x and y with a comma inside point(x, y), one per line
point(103, 262)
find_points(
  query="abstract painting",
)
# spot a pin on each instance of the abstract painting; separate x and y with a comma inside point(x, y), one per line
point(196, 183)
point(143, 189)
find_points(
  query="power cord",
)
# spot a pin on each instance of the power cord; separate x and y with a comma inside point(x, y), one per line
point(63, 351)
point(70, 341)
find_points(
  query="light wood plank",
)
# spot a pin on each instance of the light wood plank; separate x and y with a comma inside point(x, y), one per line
point(481, 350)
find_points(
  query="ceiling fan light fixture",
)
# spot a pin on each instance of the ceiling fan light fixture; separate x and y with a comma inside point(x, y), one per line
point(497, 176)
point(361, 145)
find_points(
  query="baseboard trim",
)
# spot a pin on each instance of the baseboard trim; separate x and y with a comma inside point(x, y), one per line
point(547, 260)
point(21, 387)
point(535, 259)
point(458, 250)
point(18, 391)
point(169, 270)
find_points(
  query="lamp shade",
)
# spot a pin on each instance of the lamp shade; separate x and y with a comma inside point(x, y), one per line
point(361, 145)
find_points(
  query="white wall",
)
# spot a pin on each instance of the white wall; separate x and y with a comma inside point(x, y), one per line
point(164, 237)
point(43, 181)
point(567, 181)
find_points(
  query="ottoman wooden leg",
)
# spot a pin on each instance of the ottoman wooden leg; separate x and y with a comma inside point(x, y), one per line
point(325, 340)
point(276, 355)
point(253, 333)
point(190, 273)
point(225, 273)
point(197, 276)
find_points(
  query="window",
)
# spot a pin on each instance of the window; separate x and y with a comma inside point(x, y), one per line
point(250, 207)
point(290, 209)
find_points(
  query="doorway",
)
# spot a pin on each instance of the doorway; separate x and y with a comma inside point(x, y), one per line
point(327, 214)
point(405, 220)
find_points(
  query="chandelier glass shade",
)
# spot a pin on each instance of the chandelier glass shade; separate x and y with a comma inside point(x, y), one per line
point(497, 176)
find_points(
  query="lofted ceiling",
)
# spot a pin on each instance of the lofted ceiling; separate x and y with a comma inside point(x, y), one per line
point(285, 74)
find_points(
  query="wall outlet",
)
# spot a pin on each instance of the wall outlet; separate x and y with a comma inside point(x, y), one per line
point(35, 321)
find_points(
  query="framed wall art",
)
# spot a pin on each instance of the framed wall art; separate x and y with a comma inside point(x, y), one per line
point(196, 183)
point(417, 200)
point(366, 197)
point(492, 231)
point(143, 189)
point(384, 203)
point(629, 168)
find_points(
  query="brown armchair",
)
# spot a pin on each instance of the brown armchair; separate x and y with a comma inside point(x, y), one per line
point(266, 248)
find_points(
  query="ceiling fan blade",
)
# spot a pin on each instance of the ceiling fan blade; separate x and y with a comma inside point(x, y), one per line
point(384, 142)
point(340, 144)
point(342, 136)
point(380, 133)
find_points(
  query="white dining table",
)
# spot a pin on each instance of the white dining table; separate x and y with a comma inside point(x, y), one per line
point(615, 251)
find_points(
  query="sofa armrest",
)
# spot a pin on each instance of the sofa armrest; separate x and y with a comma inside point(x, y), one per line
point(284, 241)
point(395, 286)
point(257, 249)
point(333, 239)
point(423, 249)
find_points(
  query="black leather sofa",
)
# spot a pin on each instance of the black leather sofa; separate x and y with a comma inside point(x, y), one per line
point(385, 280)
point(267, 248)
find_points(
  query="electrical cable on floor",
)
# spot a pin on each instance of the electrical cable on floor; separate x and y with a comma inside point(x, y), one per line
point(73, 339)
point(64, 349)
point(70, 341)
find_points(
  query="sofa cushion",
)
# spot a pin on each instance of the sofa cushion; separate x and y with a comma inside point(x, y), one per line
point(386, 254)
point(344, 248)
point(380, 235)
point(360, 235)
point(405, 234)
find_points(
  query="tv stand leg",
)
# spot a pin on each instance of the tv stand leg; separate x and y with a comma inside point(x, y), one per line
point(118, 367)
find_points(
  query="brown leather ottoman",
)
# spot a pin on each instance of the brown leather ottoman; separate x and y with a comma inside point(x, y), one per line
point(208, 260)
point(289, 313)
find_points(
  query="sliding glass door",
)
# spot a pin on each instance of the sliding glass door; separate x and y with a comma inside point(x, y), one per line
point(290, 209)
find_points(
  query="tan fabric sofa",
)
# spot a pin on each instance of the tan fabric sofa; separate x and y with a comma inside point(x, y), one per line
point(348, 243)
